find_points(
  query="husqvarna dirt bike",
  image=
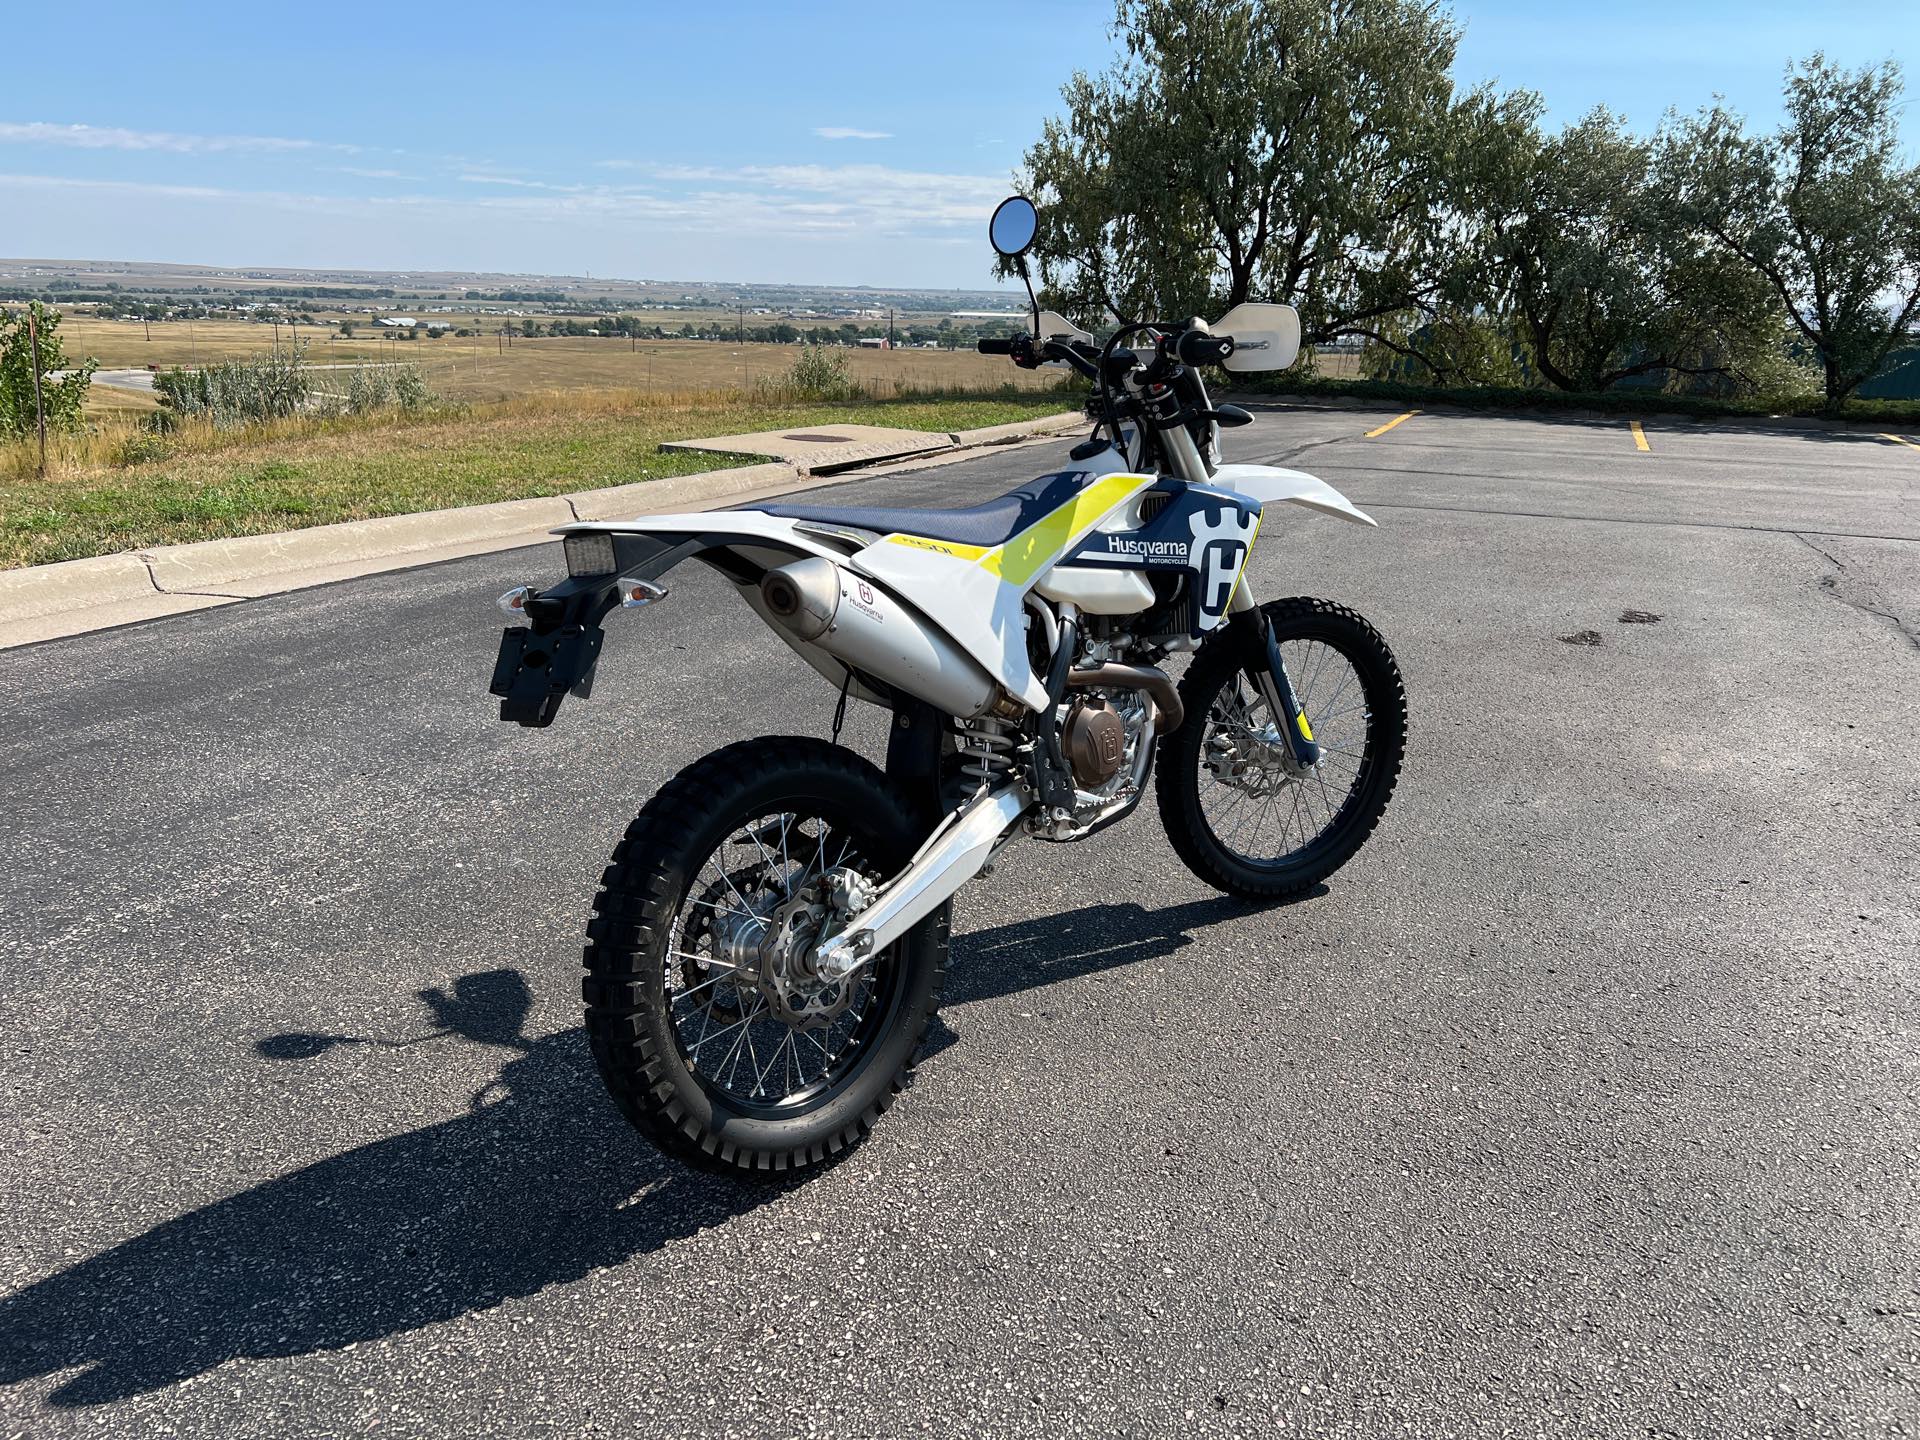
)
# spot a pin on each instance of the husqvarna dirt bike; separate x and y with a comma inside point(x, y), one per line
point(769, 942)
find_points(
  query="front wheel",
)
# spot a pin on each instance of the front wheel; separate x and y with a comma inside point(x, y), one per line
point(1238, 808)
point(707, 1023)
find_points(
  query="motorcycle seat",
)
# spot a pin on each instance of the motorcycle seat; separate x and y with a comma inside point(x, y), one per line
point(990, 523)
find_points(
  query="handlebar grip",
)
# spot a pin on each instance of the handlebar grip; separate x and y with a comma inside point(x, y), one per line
point(995, 347)
point(1196, 347)
point(1202, 348)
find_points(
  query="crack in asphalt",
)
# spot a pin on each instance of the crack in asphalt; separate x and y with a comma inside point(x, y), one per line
point(1830, 585)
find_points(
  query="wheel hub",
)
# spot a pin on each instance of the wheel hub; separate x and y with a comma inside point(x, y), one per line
point(1258, 761)
point(794, 990)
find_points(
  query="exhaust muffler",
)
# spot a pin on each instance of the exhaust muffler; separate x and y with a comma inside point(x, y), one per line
point(852, 619)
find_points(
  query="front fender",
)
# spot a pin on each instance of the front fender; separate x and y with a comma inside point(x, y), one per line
point(1269, 482)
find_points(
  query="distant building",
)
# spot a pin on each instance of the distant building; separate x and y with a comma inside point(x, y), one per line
point(396, 322)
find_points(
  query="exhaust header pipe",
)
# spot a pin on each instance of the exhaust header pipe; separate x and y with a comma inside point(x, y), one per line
point(1166, 700)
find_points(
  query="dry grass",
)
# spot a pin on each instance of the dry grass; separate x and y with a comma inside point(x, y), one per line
point(481, 368)
point(203, 483)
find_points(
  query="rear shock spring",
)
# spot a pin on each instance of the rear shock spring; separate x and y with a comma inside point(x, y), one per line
point(986, 748)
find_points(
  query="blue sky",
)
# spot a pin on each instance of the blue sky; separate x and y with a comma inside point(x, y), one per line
point(840, 143)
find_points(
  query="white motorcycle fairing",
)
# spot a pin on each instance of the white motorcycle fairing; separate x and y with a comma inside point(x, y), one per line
point(963, 604)
point(1269, 482)
point(973, 595)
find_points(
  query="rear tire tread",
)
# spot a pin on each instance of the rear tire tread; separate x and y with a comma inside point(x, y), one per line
point(639, 894)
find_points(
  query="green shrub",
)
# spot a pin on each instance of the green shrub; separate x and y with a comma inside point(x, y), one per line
point(239, 392)
point(820, 373)
point(385, 387)
point(141, 448)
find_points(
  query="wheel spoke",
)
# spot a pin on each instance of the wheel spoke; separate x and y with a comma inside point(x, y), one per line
point(1245, 822)
point(728, 1033)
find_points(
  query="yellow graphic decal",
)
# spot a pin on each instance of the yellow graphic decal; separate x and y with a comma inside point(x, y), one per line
point(1023, 557)
point(1306, 730)
point(1247, 559)
point(940, 547)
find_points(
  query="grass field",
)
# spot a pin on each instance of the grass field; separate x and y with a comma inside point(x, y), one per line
point(312, 472)
point(482, 369)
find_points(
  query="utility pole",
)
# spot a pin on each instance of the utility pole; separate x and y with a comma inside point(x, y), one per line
point(39, 412)
point(890, 328)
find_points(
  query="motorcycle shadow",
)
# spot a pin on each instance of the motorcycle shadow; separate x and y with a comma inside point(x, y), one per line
point(1004, 959)
point(987, 964)
point(540, 1183)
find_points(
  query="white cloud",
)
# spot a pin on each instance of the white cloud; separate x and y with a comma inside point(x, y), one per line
point(372, 174)
point(109, 137)
point(477, 179)
point(848, 132)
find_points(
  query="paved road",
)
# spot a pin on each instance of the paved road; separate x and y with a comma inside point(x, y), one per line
point(1581, 1103)
point(143, 379)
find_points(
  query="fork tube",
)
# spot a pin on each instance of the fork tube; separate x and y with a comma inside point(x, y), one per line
point(1178, 444)
point(1268, 671)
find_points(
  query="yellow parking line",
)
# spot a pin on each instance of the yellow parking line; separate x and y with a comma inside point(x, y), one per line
point(1397, 420)
point(1640, 437)
point(1901, 440)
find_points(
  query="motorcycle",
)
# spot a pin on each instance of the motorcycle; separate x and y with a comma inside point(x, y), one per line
point(768, 945)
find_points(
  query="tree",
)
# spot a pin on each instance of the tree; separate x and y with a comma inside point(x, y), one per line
point(1581, 247)
point(1288, 150)
point(1822, 210)
point(60, 399)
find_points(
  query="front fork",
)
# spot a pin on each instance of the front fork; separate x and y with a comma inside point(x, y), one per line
point(1268, 671)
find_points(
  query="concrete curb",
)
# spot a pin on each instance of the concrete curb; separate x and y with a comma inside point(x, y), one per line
point(217, 566)
point(73, 585)
point(71, 597)
point(1022, 429)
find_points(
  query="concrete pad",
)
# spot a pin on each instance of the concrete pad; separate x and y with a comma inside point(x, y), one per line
point(819, 448)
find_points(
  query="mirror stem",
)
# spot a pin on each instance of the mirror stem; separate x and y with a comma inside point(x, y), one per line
point(1033, 301)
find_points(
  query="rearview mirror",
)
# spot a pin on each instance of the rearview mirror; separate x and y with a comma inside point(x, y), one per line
point(1265, 337)
point(1015, 222)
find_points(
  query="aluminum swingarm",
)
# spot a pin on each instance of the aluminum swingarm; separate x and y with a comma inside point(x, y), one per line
point(951, 856)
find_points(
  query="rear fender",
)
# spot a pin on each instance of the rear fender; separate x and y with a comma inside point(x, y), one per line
point(554, 655)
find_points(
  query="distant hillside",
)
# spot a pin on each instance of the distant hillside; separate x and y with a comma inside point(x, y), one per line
point(53, 278)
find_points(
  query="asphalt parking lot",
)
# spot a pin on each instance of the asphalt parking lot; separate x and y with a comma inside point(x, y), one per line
point(1581, 1103)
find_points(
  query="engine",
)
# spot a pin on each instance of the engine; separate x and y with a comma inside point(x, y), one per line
point(1094, 738)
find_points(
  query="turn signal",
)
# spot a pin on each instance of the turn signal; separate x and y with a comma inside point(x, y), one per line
point(635, 593)
point(514, 602)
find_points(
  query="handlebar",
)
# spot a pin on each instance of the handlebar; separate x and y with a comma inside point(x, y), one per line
point(996, 347)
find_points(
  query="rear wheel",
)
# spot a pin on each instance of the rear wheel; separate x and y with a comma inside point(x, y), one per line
point(1238, 808)
point(706, 1023)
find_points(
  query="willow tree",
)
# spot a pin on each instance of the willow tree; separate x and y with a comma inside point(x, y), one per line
point(1581, 247)
point(1288, 150)
point(1823, 210)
